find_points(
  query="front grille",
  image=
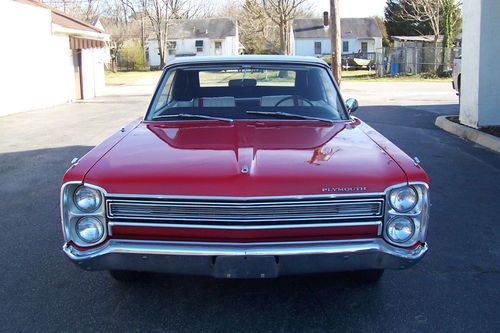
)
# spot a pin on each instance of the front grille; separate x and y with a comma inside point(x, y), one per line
point(244, 212)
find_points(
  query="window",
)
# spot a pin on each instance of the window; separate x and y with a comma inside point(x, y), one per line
point(364, 47)
point(257, 77)
point(317, 47)
point(218, 47)
point(171, 46)
point(166, 92)
point(345, 47)
point(199, 46)
point(246, 91)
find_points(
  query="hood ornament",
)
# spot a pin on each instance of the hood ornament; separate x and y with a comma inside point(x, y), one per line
point(244, 169)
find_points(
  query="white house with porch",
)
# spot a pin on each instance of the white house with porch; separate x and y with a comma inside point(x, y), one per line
point(53, 58)
point(197, 37)
point(311, 36)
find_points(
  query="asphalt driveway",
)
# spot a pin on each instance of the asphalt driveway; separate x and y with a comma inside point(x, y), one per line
point(455, 288)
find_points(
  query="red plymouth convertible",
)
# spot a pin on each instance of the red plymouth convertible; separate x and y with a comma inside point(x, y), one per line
point(246, 167)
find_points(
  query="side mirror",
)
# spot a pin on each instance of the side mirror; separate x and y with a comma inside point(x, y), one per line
point(352, 105)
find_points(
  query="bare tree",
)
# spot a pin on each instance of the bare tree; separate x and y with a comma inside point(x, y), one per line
point(159, 12)
point(432, 11)
point(257, 32)
point(442, 16)
point(281, 13)
point(85, 10)
point(119, 22)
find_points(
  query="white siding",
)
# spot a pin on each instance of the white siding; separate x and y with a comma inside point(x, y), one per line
point(37, 69)
point(480, 72)
point(93, 72)
point(305, 46)
point(230, 46)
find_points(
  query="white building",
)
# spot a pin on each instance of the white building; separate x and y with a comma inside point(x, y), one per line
point(212, 36)
point(480, 85)
point(51, 57)
point(311, 36)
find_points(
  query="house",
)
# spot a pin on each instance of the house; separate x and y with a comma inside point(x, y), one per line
point(311, 36)
point(211, 36)
point(52, 57)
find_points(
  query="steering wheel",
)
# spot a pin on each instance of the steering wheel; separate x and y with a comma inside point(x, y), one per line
point(294, 97)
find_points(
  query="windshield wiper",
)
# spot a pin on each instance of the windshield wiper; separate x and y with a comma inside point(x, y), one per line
point(291, 115)
point(187, 115)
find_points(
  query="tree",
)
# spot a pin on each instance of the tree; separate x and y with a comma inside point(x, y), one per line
point(398, 24)
point(441, 16)
point(257, 32)
point(386, 41)
point(119, 22)
point(85, 10)
point(159, 13)
point(281, 13)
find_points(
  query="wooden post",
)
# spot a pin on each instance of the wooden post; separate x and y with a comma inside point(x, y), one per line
point(335, 39)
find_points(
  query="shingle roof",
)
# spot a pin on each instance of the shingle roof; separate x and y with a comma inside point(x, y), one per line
point(366, 27)
point(201, 28)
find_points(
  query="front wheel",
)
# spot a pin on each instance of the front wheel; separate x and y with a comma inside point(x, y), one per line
point(368, 276)
point(126, 276)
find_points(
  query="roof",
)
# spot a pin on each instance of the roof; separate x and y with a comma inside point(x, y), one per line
point(212, 28)
point(282, 59)
point(425, 38)
point(366, 27)
point(63, 19)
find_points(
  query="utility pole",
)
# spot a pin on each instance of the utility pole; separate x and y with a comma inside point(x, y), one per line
point(335, 39)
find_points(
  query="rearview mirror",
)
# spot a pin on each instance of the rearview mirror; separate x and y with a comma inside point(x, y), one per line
point(352, 105)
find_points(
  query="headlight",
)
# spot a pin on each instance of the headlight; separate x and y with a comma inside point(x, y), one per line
point(87, 199)
point(403, 199)
point(89, 229)
point(400, 229)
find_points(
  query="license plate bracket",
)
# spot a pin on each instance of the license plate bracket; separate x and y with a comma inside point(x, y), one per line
point(245, 267)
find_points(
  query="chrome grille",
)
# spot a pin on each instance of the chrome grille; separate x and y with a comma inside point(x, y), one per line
point(244, 212)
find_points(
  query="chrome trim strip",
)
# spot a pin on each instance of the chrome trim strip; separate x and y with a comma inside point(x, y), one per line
point(244, 249)
point(244, 204)
point(245, 199)
point(244, 212)
point(253, 227)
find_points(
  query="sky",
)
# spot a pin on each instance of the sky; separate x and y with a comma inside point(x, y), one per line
point(354, 8)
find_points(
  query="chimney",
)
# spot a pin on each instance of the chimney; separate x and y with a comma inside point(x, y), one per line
point(326, 22)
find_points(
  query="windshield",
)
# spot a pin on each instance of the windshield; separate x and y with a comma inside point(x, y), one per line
point(247, 92)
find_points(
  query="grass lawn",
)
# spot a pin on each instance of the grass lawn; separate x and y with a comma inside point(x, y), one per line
point(134, 77)
point(130, 78)
point(370, 75)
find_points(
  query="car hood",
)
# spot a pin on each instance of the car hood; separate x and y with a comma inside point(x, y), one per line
point(206, 158)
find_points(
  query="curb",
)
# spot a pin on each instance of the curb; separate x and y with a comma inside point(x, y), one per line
point(484, 139)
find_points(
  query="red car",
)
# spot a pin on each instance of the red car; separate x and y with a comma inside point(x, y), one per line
point(246, 167)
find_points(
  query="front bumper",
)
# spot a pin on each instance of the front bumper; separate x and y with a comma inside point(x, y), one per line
point(278, 259)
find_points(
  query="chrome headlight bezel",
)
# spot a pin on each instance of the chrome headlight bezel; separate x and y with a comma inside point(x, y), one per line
point(96, 197)
point(71, 214)
point(411, 192)
point(418, 214)
point(99, 226)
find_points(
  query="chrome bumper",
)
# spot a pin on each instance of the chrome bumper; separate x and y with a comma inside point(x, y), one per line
point(201, 258)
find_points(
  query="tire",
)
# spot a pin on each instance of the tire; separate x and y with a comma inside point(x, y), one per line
point(127, 276)
point(369, 276)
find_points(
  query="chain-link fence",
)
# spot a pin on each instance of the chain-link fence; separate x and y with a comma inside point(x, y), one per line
point(415, 60)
